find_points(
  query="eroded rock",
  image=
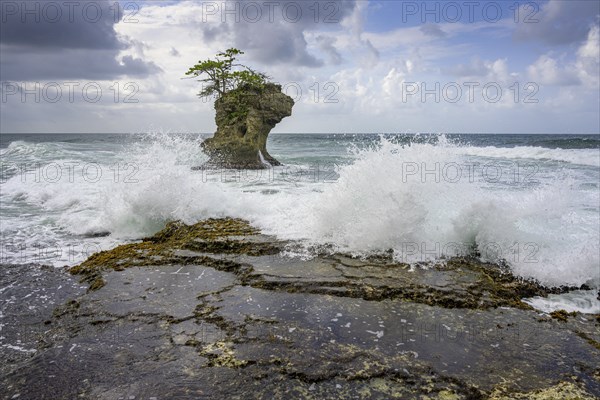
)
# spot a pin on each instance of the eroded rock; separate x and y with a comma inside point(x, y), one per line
point(244, 118)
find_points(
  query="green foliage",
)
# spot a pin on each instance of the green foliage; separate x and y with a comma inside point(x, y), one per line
point(223, 74)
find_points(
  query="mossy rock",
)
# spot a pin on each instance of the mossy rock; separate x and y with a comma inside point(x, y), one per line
point(209, 236)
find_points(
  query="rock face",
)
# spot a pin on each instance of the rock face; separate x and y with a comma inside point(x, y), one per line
point(216, 310)
point(245, 116)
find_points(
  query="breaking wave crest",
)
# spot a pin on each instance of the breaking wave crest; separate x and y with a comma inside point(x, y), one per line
point(534, 209)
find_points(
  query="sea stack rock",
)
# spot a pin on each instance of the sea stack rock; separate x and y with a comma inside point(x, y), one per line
point(245, 116)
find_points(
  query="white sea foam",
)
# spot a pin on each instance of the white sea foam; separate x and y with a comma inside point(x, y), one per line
point(584, 301)
point(573, 156)
point(541, 232)
point(543, 227)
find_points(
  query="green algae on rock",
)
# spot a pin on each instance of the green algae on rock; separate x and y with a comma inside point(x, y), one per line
point(234, 245)
point(208, 235)
point(152, 250)
point(562, 315)
point(563, 391)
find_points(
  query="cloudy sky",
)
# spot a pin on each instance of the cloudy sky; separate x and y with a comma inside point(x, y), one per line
point(352, 66)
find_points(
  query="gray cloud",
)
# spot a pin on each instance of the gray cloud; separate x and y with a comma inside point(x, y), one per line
point(64, 40)
point(210, 34)
point(277, 36)
point(373, 54)
point(80, 25)
point(70, 64)
point(326, 44)
point(475, 68)
point(432, 30)
point(558, 21)
point(275, 44)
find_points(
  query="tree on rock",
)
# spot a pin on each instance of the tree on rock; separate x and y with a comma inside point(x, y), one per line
point(247, 107)
point(224, 74)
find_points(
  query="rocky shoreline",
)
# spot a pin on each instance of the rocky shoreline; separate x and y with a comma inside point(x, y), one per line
point(215, 310)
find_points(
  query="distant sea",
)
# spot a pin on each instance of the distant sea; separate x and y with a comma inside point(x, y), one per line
point(530, 202)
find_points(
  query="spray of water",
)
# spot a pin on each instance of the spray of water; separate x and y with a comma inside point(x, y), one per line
point(422, 200)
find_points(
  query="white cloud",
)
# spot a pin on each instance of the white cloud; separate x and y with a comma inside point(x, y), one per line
point(369, 68)
point(588, 59)
point(583, 70)
point(546, 71)
point(358, 40)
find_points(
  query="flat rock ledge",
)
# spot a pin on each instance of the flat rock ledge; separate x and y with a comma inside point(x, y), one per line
point(216, 311)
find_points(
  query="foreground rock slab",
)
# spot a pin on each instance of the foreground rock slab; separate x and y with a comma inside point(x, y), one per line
point(215, 310)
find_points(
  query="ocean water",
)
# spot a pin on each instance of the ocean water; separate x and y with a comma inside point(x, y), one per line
point(531, 202)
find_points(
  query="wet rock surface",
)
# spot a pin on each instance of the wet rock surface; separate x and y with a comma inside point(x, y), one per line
point(216, 311)
point(29, 294)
